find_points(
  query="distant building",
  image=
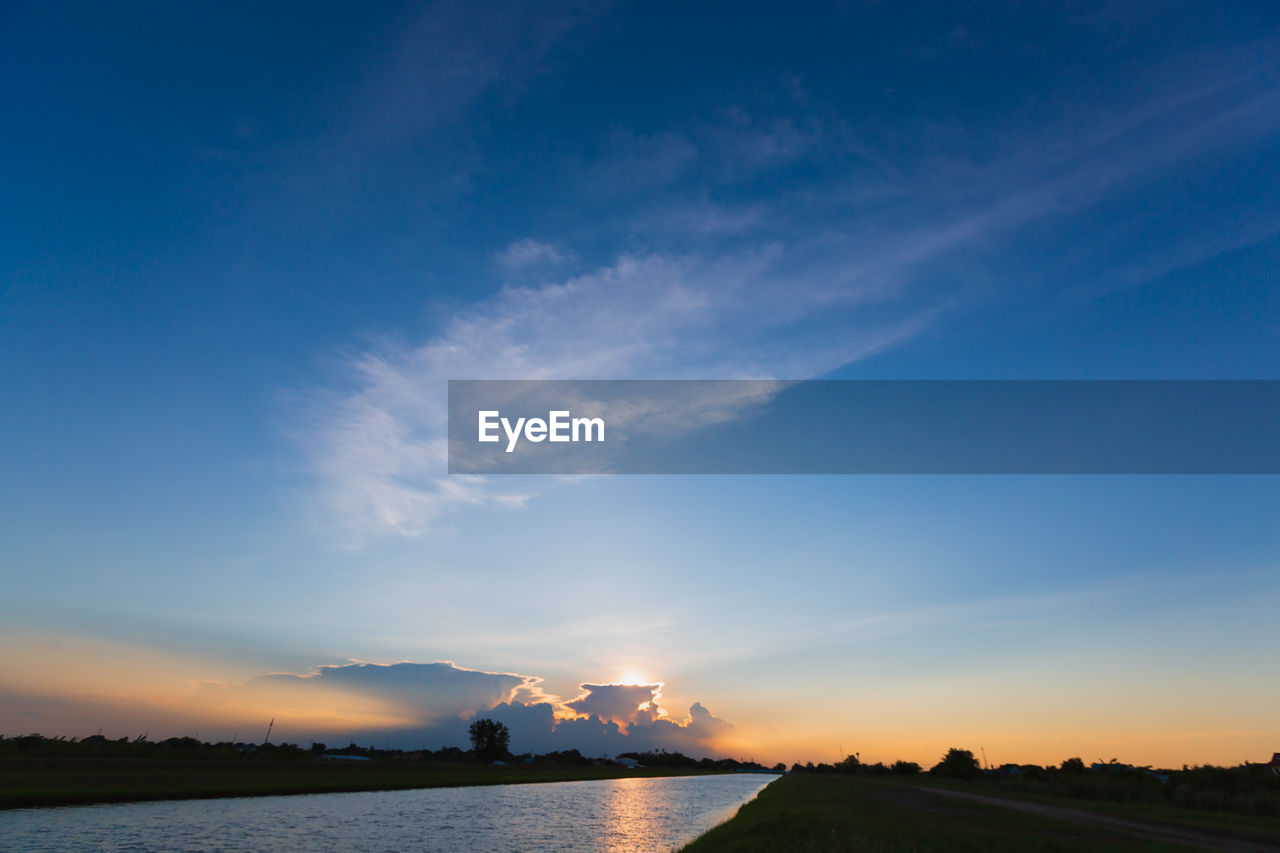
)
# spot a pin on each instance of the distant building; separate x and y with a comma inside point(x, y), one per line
point(628, 762)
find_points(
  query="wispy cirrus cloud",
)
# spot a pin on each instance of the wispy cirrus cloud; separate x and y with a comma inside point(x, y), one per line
point(451, 54)
point(792, 284)
point(522, 254)
point(378, 452)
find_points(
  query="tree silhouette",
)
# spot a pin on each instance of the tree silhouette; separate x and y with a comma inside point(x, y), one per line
point(490, 740)
point(957, 764)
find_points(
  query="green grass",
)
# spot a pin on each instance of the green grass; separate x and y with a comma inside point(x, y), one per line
point(33, 781)
point(841, 813)
point(1250, 827)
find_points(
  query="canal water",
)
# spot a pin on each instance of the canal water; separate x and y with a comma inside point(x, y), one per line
point(656, 814)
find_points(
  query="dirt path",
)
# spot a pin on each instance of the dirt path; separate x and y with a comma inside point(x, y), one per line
point(1156, 832)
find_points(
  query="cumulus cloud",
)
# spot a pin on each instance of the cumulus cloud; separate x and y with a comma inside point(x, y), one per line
point(621, 703)
point(411, 704)
point(429, 691)
point(536, 728)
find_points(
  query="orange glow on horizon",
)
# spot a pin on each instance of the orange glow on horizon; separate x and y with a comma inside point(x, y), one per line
point(60, 684)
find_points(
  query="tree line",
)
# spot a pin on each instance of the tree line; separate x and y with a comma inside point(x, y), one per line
point(1251, 789)
point(1248, 789)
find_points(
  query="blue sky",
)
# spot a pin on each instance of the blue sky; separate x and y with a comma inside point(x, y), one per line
point(243, 250)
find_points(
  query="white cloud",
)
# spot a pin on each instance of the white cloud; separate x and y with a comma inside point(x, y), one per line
point(452, 54)
point(523, 254)
point(624, 704)
point(378, 452)
point(412, 704)
point(426, 691)
point(835, 279)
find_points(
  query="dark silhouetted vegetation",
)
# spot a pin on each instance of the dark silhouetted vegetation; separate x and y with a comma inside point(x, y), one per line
point(957, 764)
point(490, 740)
point(98, 768)
point(1247, 790)
point(97, 746)
point(565, 756)
point(1251, 789)
point(37, 770)
point(662, 758)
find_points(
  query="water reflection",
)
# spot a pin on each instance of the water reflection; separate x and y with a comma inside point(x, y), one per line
point(577, 817)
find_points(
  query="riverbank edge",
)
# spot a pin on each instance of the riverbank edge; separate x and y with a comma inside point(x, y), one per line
point(393, 776)
point(762, 822)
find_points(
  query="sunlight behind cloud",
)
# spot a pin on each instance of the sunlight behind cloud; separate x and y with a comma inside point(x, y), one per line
point(632, 677)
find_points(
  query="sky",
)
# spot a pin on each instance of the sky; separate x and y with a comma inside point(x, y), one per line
point(243, 248)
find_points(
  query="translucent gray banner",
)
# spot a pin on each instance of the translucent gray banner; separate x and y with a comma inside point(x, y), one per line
point(863, 427)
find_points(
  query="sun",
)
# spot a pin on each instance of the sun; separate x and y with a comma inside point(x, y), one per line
point(632, 676)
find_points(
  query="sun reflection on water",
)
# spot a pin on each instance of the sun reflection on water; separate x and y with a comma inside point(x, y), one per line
point(655, 814)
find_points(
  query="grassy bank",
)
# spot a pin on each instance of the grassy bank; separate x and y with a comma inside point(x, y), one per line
point(42, 781)
point(807, 812)
point(1262, 829)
